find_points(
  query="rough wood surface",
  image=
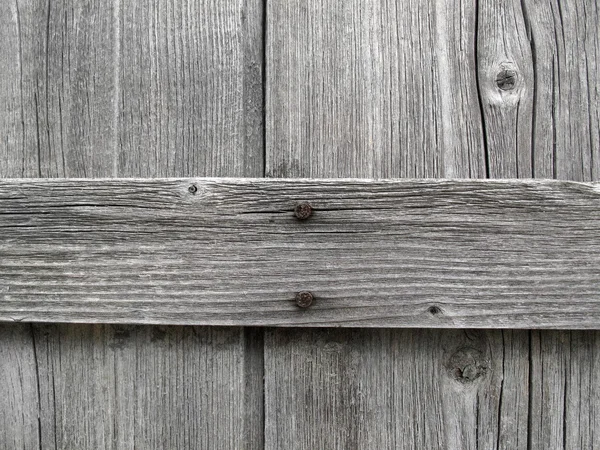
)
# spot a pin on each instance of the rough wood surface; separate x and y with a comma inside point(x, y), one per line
point(565, 44)
point(505, 76)
point(372, 89)
point(374, 253)
point(148, 387)
point(118, 88)
point(331, 100)
point(564, 38)
point(396, 389)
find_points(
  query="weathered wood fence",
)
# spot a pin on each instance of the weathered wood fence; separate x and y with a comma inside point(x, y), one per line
point(299, 89)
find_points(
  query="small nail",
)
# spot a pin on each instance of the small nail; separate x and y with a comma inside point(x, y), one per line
point(303, 211)
point(304, 299)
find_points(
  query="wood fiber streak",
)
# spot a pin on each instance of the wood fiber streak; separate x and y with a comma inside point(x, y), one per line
point(374, 253)
point(130, 89)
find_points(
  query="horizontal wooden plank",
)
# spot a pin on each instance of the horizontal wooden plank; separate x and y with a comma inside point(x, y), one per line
point(389, 253)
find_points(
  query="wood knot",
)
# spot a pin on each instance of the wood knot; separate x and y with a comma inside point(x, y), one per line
point(466, 365)
point(506, 79)
point(434, 310)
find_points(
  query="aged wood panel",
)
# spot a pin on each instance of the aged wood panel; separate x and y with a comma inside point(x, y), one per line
point(544, 101)
point(191, 88)
point(564, 40)
point(430, 125)
point(505, 77)
point(372, 89)
point(395, 389)
point(565, 43)
point(19, 426)
point(148, 387)
point(76, 93)
point(374, 253)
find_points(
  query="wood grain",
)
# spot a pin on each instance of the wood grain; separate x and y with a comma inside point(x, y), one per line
point(324, 114)
point(565, 43)
point(506, 86)
point(92, 89)
point(393, 389)
point(375, 253)
point(191, 88)
point(563, 40)
point(352, 93)
point(19, 426)
point(146, 386)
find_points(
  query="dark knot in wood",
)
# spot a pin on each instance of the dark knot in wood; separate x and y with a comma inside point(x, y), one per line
point(506, 79)
point(303, 211)
point(467, 365)
point(434, 310)
point(193, 189)
point(304, 299)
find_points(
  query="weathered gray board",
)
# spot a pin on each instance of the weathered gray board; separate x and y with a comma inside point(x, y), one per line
point(131, 89)
point(487, 254)
point(363, 88)
point(356, 88)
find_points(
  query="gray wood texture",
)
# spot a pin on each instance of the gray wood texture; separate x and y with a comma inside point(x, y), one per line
point(407, 89)
point(130, 89)
point(360, 88)
point(518, 254)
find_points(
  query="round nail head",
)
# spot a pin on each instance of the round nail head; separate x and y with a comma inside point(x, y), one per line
point(304, 299)
point(303, 211)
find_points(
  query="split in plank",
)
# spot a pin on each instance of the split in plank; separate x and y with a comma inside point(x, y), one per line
point(386, 253)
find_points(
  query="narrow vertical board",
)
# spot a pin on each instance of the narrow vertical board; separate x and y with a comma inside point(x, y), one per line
point(130, 89)
point(505, 75)
point(368, 89)
point(562, 79)
point(565, 43)
point(19, 399)
point(20, 402)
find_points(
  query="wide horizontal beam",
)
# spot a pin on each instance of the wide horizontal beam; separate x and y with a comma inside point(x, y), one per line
point(411, 253)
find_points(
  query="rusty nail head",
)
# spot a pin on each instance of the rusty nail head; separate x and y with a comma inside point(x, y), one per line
point(304, 299)
point(303, 211)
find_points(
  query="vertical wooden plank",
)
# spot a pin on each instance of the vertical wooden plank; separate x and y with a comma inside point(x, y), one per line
point(505, 74)
point(562, 79)
point(19, 426)
point(191, 79)
point(372, 89)
point(131, 89)
point(19, 399)
point(565, 43)
point(376, 89)
point(57, 89)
